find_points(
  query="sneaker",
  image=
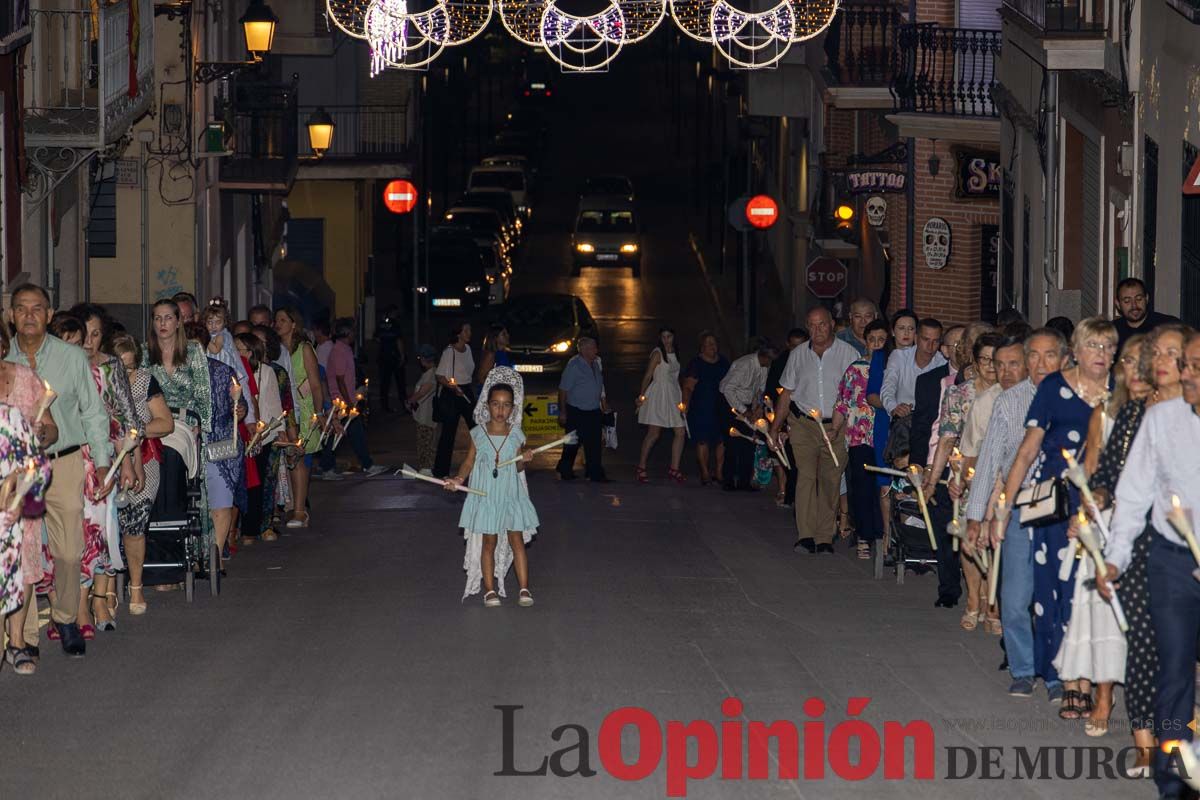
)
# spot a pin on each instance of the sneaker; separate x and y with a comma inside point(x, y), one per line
point(1021, 687)
point(491, 600)
point(1054, 693)
point(373, 470)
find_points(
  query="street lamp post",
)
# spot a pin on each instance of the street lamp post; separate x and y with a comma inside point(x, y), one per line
point(258, 27)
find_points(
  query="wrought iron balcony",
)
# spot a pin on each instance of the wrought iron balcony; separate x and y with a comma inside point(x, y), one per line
point(1064, 16)
point(79, 77)
point(376, 133)
point(860, 47)
point(946, 70)
point(262, 136)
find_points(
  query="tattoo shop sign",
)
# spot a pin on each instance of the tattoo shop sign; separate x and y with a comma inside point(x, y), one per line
point(978, 174)
point(874, 181)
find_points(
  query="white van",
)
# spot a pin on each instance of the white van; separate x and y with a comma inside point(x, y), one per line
point(606, 234)
point(512, 179)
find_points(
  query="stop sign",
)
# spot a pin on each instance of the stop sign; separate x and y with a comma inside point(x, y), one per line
point(400, 197)
point(761, 211)
point(826, 277)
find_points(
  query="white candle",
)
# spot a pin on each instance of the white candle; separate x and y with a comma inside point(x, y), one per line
point(1001, 519)
point(1178, 519)
point(131, 442)
point(816, 415)
point(914, 469)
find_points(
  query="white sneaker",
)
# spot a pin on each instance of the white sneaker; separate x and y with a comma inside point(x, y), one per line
point(491, 600)
point(374, 470)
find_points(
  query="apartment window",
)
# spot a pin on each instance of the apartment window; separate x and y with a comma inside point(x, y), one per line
point(102, 216)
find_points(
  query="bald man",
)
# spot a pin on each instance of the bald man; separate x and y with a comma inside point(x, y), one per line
point(810, 382)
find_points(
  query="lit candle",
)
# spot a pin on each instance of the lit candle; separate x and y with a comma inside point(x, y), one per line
point(914, 472)
point(1179, 521)
point(1087, 538)
point(131, 442)
point(1001, 521)
point(816, 415)
point(235, 388)
point(48, 396)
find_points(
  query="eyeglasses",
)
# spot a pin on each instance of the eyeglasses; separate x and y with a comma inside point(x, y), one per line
point(1129, 360)
point(985, 360)
point(1099, 347)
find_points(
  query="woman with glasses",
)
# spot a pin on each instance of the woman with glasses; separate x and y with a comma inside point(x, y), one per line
point(1158, 380)
point(1057, 423)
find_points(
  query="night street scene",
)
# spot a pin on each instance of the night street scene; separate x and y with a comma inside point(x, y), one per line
point(540, 399)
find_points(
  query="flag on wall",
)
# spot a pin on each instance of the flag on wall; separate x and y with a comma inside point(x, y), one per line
point(135, 36)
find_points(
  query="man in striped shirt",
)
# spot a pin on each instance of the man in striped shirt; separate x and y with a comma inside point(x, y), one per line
point(1045, 350)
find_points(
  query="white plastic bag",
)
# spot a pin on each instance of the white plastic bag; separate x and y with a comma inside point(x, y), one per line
point(608, 434)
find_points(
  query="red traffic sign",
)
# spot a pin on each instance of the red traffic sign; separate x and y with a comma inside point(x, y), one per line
point(1192, 185)
point(400, 197)
point(826, 277)
point(762, 211)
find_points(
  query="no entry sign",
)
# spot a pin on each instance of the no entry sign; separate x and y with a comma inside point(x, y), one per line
point(826, 277)
point(761, 211)
point(400, 197)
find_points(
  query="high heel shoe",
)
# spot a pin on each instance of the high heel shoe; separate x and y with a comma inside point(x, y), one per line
point(640, 474)
point(101, 624)
point(136, 609)
point(298, 523)
point(678, 477)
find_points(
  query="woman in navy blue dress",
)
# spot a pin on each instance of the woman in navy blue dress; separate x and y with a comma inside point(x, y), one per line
point(1058, 421)
point(707, 416)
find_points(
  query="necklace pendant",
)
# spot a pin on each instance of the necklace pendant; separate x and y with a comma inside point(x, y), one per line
point(495, 472)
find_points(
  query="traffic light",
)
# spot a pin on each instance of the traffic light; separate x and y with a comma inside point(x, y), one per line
point(844, 214)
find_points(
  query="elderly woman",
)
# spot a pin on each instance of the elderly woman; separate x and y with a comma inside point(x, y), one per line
point(1157, 380)
point(1057, 424)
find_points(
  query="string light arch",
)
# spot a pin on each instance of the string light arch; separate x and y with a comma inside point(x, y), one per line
point(747, 39)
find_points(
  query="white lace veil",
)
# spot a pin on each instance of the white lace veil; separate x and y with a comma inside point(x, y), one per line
point(501, 375)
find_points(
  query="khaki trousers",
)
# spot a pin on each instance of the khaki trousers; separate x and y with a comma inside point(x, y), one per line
point(818, 480)
point(64, 529)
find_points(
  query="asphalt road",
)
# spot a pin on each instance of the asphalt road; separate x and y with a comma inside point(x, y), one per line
point(340, 662)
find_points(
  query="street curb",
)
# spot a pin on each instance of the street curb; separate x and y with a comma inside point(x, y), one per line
point(712, 289)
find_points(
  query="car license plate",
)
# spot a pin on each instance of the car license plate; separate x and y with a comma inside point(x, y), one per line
point(446, 302)
point(530, 368)
point(607, 257)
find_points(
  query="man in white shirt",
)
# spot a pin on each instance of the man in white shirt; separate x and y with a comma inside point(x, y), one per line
point(1164, 463)
point(742, 387)
point(906, 365)
point(810, 381)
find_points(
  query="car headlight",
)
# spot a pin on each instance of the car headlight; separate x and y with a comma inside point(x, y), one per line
point(422, 290)
point(629, 248)
point(560, 347)
point(491, 278)
point(473, 288)
point(584, 247)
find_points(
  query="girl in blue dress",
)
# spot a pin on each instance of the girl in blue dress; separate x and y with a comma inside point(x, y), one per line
point(497, 526)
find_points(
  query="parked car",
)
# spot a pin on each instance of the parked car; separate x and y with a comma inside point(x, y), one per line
point(481, 221)
point(462, 242)
point(457, 275)
point(499, 200)
point(514, 180)
point(544, 330)
point(606, 234)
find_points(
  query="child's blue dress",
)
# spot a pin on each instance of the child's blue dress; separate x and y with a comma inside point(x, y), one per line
point(507, 507)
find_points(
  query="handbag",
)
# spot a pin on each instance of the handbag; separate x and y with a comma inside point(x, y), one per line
point(1044, 503)
point(445, 402)
point(222, 450)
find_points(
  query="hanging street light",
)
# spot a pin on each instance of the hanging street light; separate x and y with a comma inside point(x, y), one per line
point(320, 131)
point(258, 27)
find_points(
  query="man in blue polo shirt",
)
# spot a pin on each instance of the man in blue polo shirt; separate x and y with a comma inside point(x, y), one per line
point(581, 408)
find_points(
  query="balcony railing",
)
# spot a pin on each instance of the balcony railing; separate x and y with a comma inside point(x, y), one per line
point(363, 133)
point(946, 70)
point(263, 139)
point(1065, 16)
point(860, 46)
point(79, 74)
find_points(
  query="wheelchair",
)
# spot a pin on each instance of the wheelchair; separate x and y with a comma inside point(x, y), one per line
point(177, 547)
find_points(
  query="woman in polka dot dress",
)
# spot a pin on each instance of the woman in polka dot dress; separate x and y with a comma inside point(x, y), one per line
point(1057, 421)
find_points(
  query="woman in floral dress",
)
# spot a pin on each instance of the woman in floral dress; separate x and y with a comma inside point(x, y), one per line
point(855, 418)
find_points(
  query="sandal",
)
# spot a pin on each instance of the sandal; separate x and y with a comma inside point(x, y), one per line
point(1086, 706)
point(101, 624)
point(491, 600)
point(640, 474)
point(677, 476)
point(1072, 704)
point(524, 598)
point(269, 535)
point(136, 609)
point(781, 499)
point(864, 551)
point(1096, 727)
point(21, 660)
point(88, 631)
point(969, 621)
point(298, 522)
point(992, 625)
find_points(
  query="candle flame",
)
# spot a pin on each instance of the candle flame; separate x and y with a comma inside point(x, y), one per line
point(970, 472)
point(771, 416)
point(1082, 518)
point(358, 397)
point(680, 406)
point(733, 432)
point(760, 423)
point(261, 424)
point(354, 412)
point(133, 434)
point(812, 412)
point(1002, 496)
point(1175, 502)
point(957, 453)
point(778, 390)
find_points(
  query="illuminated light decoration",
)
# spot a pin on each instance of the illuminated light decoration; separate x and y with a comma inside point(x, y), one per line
point(523, 19)
point(753, 41)
point(694, 18)
point(350, 16)
point(402, 40)
point(466, 20)
point(812, 17)
point(642, 18)
point(583, 44)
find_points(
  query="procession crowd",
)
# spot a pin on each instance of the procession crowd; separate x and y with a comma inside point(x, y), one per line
point(101, 435)
point(1034, 469)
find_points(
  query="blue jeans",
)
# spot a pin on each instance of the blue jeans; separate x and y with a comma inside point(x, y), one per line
point(1175, 614)
point(1016, 595)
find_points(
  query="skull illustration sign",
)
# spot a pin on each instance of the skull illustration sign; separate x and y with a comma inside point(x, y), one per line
point(936, 243)
point(876, 211)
